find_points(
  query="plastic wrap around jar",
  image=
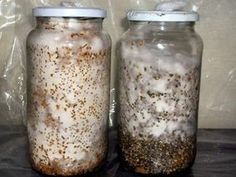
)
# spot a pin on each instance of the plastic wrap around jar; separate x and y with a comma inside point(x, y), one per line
point(159, 79)
point(68, 90)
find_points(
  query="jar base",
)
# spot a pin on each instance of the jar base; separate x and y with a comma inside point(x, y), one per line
point(54, 169)
point(178, 173)
point(156, 157)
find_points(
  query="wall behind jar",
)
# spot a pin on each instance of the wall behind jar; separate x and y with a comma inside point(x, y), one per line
point(217, 27)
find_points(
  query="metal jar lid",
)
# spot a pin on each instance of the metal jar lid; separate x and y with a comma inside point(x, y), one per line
point(69, 12)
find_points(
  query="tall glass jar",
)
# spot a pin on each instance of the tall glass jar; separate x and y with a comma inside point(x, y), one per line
point(68, 90)
point(159, 79)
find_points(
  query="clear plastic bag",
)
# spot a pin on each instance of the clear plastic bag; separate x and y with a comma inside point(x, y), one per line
point(218, 84)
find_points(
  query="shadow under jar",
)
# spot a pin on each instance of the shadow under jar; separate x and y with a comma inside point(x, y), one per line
point(159, 80)
point(68, 90)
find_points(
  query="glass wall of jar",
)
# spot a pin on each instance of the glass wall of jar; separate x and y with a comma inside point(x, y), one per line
point(68, 90)
point(159, 79)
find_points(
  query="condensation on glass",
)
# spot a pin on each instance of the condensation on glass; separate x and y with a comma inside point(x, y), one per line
point(68, 90)
point(159, 79)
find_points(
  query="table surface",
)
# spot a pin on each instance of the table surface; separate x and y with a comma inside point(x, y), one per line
point(216, 155)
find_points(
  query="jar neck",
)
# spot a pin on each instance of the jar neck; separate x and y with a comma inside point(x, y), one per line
point(59, 23)
point(164, 26)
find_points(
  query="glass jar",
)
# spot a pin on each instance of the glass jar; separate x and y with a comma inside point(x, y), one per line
point(68, 90)
point(159, 79)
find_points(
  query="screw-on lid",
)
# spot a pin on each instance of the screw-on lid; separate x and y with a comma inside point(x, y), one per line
point(166, 11)
point(69, 12)
point(162, 16)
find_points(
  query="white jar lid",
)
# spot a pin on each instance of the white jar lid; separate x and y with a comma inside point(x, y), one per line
point(163, 16)
point(69, 12)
